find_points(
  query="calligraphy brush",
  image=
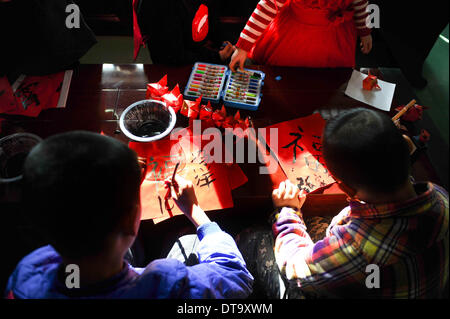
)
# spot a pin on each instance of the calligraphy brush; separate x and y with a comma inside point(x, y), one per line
point(173, 182)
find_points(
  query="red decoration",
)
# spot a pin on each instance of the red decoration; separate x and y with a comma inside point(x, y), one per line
point(157, 90)
point(138, 38)
point(413, 114)
point(200, 25)
point(191, 109)
point(174, 99)
point(370, 83)
point(219, 116)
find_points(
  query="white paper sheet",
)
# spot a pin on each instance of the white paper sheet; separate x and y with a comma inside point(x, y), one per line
point(380, 99)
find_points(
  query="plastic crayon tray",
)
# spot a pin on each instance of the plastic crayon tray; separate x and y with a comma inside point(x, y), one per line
point(206, 80)
point(243, 90)
point(214, 82)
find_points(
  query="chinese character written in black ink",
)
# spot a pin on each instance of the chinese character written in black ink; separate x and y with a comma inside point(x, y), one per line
point(206, 179)
point(295, 143)
point(26, 95)
point(318, 144)
point(304, 184)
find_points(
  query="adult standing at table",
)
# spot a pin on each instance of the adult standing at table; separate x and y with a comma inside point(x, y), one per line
point(306, 33)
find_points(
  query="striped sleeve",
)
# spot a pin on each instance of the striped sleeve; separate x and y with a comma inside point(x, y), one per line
point(314, 266)
point(265, 12)
point(360, 17)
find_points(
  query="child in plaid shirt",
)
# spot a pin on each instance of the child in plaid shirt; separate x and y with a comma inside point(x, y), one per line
point(390, 242)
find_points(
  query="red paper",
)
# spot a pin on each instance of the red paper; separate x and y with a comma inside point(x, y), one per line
point(219, 116)
point(211, 181)
point(206, 112)
point(191, 109)
point(157, 90)
point(174, 99)
point(37, 93)
point(370, 83)
point(7, 99)
point(200, 25)
point(300, 152)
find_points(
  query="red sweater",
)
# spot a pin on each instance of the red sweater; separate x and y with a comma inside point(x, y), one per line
point(266, 11)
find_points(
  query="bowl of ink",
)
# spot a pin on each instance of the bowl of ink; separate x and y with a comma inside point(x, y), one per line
point(147, 121)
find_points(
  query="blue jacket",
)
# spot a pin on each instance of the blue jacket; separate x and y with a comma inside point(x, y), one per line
point(221, 274)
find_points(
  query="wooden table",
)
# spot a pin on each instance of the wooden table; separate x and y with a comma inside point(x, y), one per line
point(99, 93)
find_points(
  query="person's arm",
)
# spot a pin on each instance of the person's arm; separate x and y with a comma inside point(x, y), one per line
point(360, 17)
point(322, 267)
point(262, 16)
point(222, 272)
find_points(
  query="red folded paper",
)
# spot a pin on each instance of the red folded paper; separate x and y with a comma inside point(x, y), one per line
point(157, 90)
point(174, 99)
point(232, 121)
point(34, 94)
point(370, 83)
point(219, 116)
point(191, 109)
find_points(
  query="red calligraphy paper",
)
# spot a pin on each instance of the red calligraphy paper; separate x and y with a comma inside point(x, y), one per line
point(37, 93)
point(300, 152)
point(7, 99)
point(211, 181)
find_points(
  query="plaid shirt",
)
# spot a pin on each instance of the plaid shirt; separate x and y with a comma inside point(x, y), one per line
point(407, 241)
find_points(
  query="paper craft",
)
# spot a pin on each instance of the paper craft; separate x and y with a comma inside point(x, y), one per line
point(35, 93)
point(380, 99)
point(174, 99)
point(371, 83)
point(156, 90)
point(191, 109)
point(300, 152)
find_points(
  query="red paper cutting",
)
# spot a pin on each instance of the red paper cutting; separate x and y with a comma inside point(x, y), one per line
point(219, 116)
point(300, 152)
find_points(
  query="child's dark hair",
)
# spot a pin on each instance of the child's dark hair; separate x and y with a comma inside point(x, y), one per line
point(365, 150)
point(78, 187)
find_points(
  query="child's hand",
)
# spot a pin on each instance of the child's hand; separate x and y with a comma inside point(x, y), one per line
point(184, 197)
point(288, 195)
point(366, 44)
point(227, 51)
point(239, 57)
point(184, 194)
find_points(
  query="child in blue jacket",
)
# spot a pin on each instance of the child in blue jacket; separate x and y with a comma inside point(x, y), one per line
point(82, 190)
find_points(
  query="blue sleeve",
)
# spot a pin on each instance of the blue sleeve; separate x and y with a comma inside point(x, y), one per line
point(222, 272)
